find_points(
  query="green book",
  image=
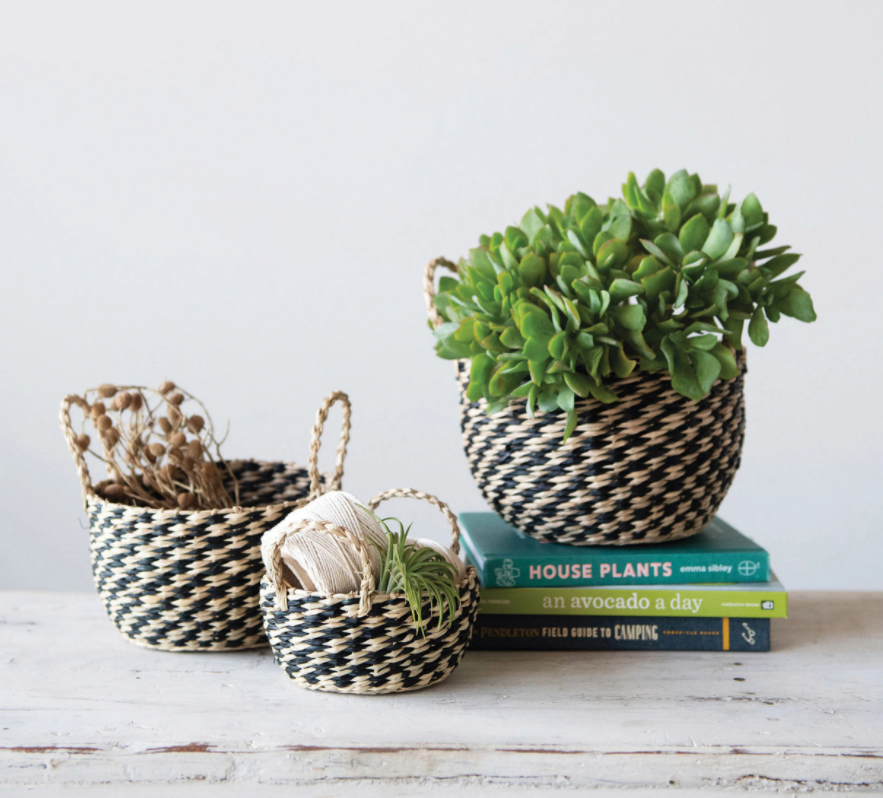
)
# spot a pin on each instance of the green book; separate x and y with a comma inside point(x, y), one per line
point(506, 558)
point(757, 600)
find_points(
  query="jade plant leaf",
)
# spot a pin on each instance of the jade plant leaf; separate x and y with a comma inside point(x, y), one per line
point(758, 329)
point(693, 234)
point(718, 240)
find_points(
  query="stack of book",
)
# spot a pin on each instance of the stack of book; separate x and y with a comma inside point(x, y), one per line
point(711, 592)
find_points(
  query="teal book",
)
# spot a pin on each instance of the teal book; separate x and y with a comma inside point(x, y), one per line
point(745, 600)
point(506, 558)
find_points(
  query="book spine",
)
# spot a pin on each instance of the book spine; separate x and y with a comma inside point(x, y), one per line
point(689, 602)
point(599, 568)
point(618, 633)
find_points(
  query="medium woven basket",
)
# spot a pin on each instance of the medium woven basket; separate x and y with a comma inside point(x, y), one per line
point(653, 467)
point(364, 642)
point(182, 580)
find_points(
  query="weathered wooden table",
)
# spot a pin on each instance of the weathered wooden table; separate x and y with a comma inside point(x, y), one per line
point(84, 710)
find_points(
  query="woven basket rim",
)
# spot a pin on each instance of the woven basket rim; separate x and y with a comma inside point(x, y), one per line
point(637, 375)
point(299, 593)
point(235, 509)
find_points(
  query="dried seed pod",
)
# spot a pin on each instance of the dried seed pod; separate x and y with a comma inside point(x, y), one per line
point(114, 491)
point(186, 500)
point(175, 472)
point(143, 475)
point(156, 449)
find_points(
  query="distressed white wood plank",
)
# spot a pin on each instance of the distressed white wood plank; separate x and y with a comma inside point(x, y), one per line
point(80, 705)
point(406, 789)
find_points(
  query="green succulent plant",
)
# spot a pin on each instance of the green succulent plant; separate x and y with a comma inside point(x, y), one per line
point(664, 279)
point(415, 571)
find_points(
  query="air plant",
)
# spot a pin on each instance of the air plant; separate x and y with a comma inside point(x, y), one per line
point(415, 571)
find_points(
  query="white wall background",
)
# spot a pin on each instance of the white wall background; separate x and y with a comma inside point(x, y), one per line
point(241, 197)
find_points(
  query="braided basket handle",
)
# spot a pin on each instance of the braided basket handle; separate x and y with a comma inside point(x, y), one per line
point(410, 493)
point(71, 437)
point(316, 442)
point(276, 575)
point(429, 288)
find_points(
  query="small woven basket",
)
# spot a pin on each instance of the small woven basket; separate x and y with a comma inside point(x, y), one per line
point(653, 467)
point(183, 580)
point(364, 642)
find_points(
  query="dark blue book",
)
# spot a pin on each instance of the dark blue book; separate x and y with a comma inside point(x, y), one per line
point(612, 633)
point(506, 558)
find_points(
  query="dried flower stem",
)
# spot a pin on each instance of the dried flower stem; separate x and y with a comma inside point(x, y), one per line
point(156, 454)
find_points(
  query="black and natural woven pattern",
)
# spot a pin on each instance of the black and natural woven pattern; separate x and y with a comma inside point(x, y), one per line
point(184, 581)
point(189, 580)
point(654, 466)
point(364, 642)
point(323, 644)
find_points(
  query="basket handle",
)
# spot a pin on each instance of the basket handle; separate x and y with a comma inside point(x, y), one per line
point(410, 493)
point(316, 442)
point(368, 585)
point(429, 288)
point(274, 562)
point(71, 437)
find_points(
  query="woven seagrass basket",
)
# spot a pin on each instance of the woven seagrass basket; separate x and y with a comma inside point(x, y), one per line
point(364, 642)
point(182, 580)
point(653, 467)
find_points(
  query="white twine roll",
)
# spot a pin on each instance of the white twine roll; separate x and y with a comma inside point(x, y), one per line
point(324, 563)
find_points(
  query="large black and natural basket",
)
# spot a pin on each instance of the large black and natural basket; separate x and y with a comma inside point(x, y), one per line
point(183, 580)
point(364, 642)
point(653, 467)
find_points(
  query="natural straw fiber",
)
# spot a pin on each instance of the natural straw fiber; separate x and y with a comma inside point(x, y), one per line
point(654, 466)
point(182, 580)
point(364, 642)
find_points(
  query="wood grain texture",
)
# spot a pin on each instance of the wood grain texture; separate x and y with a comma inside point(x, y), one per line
point(81, 707)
